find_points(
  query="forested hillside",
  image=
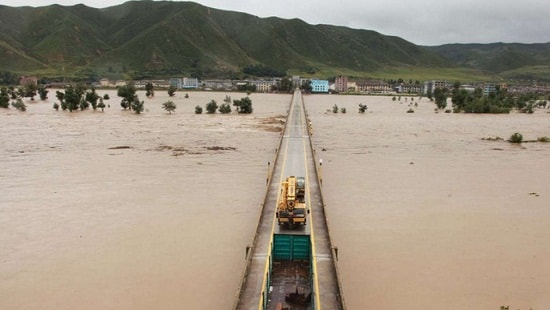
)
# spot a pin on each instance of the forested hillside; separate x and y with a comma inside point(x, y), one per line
point(159, 39)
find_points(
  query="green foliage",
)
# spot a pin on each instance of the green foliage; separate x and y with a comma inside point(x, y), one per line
point(528, 108)
point(43, 92)
point(92, 97)
point(101, 104)
point(169, 106)
point(171, 90)
point(458, 96)
point(72, 98)
point(106, 97)
point(56, 106)
point(248, 88)
point(211, 107)
point(306, 86)
point(286, 85)
point(4, 98)
point(19, 105)
point(137, 106)
point(518, 61)
point(499, 101)
point(198, 109)
point(543, 139)
point(335, 108)
point(83, 104)
point(516, 138)
point(261, 70)
point(29, 90)
point(244, 105)
point(430, 95)
point(225, 108)
point(440, 96)
point(149, 89)
point(186, 95)
point(128, 94)
point(362, 108)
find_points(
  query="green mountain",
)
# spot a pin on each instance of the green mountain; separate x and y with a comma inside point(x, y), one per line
point(508, 60)
point(162, 38)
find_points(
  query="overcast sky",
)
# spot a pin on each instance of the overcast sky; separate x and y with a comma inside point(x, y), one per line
point(424, 22)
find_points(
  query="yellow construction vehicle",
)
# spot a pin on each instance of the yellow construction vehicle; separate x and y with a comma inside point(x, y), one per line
point(291, 208)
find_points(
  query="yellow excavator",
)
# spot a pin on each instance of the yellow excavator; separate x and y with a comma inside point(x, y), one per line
point(291, 208)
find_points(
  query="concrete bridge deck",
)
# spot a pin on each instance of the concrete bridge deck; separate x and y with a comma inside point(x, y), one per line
point(295, 157)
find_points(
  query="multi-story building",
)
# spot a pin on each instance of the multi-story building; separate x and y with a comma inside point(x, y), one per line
point(319, 86)
point(341, 84)
point(264, 86)
point(218, 84)
point(374, 87)
point(176, 82)
point(430, 86)
point(190, 83)
point(409, 88)
point(187, 83)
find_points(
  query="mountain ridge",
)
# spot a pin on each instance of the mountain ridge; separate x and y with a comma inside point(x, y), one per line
point(140, 39)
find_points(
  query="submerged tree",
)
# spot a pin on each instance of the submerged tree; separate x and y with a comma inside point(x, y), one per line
point(101, 105)
point(136, 105)
point(169, 106)
point(128, 93)
point(43, 92)
point(72, 98)
point(92, 97)
point(171, 90)
point(4, 98)
point(225, 108)
point(149, 90)
point(211, 107)
point(440, 96)
point(28, 90)
point(19, 105)
point(244, 105)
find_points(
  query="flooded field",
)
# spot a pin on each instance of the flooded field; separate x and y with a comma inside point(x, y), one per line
point(116, 210)
point(426, 213)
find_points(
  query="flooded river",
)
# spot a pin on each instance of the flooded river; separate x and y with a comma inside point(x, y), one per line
point(428, 215)
point(115, 210)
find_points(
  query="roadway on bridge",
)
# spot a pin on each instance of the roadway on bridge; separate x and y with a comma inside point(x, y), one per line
point(295, 158)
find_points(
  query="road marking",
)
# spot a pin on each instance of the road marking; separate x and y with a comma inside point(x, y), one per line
point(311, 233)
point(269, 248)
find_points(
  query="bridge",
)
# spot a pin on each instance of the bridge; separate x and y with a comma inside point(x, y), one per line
point(292, 267)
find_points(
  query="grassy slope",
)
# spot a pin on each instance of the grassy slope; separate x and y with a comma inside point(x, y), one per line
point(165, 37)
point(526, 61)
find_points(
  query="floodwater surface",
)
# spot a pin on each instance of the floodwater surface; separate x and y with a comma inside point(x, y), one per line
point(115, 210)
point(428, 212)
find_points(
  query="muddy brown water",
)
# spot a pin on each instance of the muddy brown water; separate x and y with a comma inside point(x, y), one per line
point(121, 211)
point(426, 214)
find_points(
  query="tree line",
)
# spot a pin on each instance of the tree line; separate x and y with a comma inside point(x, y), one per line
point(497, 101)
